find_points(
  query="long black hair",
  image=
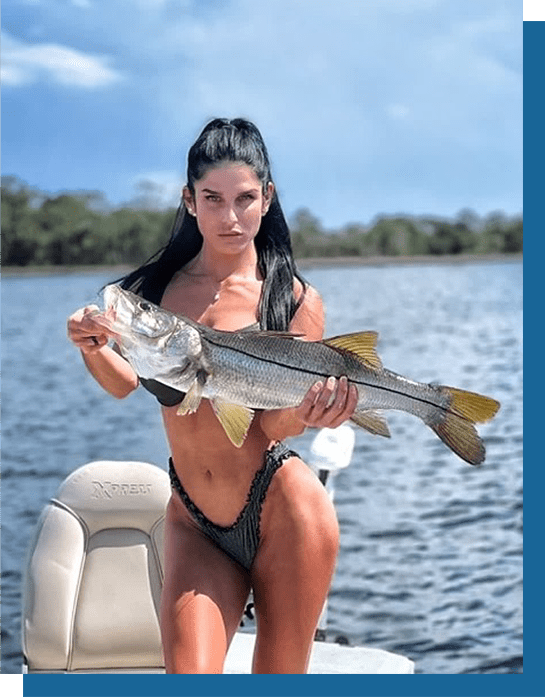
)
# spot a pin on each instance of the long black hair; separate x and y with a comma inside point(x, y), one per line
point(225, 140)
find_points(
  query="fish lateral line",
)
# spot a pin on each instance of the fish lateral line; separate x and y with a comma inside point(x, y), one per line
point(324, 375)
point(273, 361)
point(450, 412)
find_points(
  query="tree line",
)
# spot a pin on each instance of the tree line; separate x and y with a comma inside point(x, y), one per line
point(81, 229)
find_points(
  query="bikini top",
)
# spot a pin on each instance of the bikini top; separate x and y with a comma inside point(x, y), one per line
point(167, 396)
point(170, 396)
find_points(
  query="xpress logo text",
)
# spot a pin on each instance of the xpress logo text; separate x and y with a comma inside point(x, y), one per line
point(110, 490)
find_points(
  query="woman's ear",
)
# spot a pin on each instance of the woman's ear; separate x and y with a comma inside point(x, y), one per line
point(189, 201)
point(267, 198)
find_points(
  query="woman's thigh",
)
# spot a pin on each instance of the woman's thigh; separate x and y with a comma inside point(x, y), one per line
point(293, 568)
point(203, 599)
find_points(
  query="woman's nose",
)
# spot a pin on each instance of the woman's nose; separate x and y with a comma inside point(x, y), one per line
point(230, 214)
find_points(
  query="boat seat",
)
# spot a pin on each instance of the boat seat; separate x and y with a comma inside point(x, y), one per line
point(94, 575)
point(94, 572)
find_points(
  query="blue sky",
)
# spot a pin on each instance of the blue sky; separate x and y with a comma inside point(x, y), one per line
point(367, 106)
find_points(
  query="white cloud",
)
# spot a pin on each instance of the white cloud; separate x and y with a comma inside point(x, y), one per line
point(354, 98)
point(349, 91)
point(25, 63)
point(321, 63)
point(162, 187)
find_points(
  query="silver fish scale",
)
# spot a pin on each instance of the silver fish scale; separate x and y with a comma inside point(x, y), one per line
point(269, 372)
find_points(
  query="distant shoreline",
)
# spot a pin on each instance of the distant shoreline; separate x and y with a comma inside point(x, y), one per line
point(306, 263)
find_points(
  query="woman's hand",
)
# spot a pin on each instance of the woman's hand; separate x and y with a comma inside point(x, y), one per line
point(324, 406)
point(84, 332)
point(328, 405)
point(105, 364)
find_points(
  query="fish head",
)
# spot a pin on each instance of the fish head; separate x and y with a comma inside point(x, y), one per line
point(156, 342)
point(130, 316)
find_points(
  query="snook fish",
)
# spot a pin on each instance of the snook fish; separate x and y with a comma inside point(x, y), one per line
point(247, 370)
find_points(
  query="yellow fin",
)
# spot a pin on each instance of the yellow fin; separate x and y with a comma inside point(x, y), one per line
point(192, 399)
point(362, 344)
point(373, 422)
point(235, 420)
point(461, 437)
point(472, 406)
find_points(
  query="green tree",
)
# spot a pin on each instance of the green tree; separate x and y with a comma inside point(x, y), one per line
point(501, 234)
point(132, 236)
point(20, 237)
point(306, 233)
point(395, 237)
point(513, 237)
point(450, 238)
point(80, 228)
point(66, 231)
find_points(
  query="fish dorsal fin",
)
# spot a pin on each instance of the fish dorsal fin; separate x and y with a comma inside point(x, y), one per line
point(373, 422)
point(234, 418)
point(361, 344)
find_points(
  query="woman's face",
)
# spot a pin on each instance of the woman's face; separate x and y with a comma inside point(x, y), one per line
point(229, 203)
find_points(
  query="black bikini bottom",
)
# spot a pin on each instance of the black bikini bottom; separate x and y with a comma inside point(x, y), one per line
point(239, 541)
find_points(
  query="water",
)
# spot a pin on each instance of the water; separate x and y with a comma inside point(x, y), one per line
point(431, 548)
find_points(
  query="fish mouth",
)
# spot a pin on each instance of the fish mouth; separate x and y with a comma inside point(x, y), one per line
point(118, 311)
point(128, 314)
point(111, 296)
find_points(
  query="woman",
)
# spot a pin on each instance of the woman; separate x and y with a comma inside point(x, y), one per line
point(244, 518)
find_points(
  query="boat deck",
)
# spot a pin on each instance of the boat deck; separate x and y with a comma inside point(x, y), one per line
point(326, 658)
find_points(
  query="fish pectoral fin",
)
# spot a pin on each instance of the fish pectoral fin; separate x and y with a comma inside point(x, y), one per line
point(192, 399)
point(234, 418)
point(373, 422)
point(361, 344)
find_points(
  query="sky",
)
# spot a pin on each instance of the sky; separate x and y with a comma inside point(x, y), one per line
point(368, 107)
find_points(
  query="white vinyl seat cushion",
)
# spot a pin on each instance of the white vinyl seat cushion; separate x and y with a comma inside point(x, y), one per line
point(95, 571)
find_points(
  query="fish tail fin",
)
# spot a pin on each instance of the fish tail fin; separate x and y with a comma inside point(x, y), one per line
point(472, 406)
point(461, 437)
point(457, 430)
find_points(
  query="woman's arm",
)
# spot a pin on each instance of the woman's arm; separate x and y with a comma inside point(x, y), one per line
point(315, 410)
point(107, 366)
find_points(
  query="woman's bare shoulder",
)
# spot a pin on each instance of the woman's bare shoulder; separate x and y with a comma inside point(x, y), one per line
point(309, 319)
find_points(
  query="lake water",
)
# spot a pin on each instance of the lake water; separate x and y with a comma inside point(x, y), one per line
point(431, 548)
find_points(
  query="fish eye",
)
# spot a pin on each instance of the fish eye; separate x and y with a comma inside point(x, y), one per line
point(145, 306)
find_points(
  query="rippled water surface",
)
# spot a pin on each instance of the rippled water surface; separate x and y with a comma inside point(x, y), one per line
point(431, 548)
